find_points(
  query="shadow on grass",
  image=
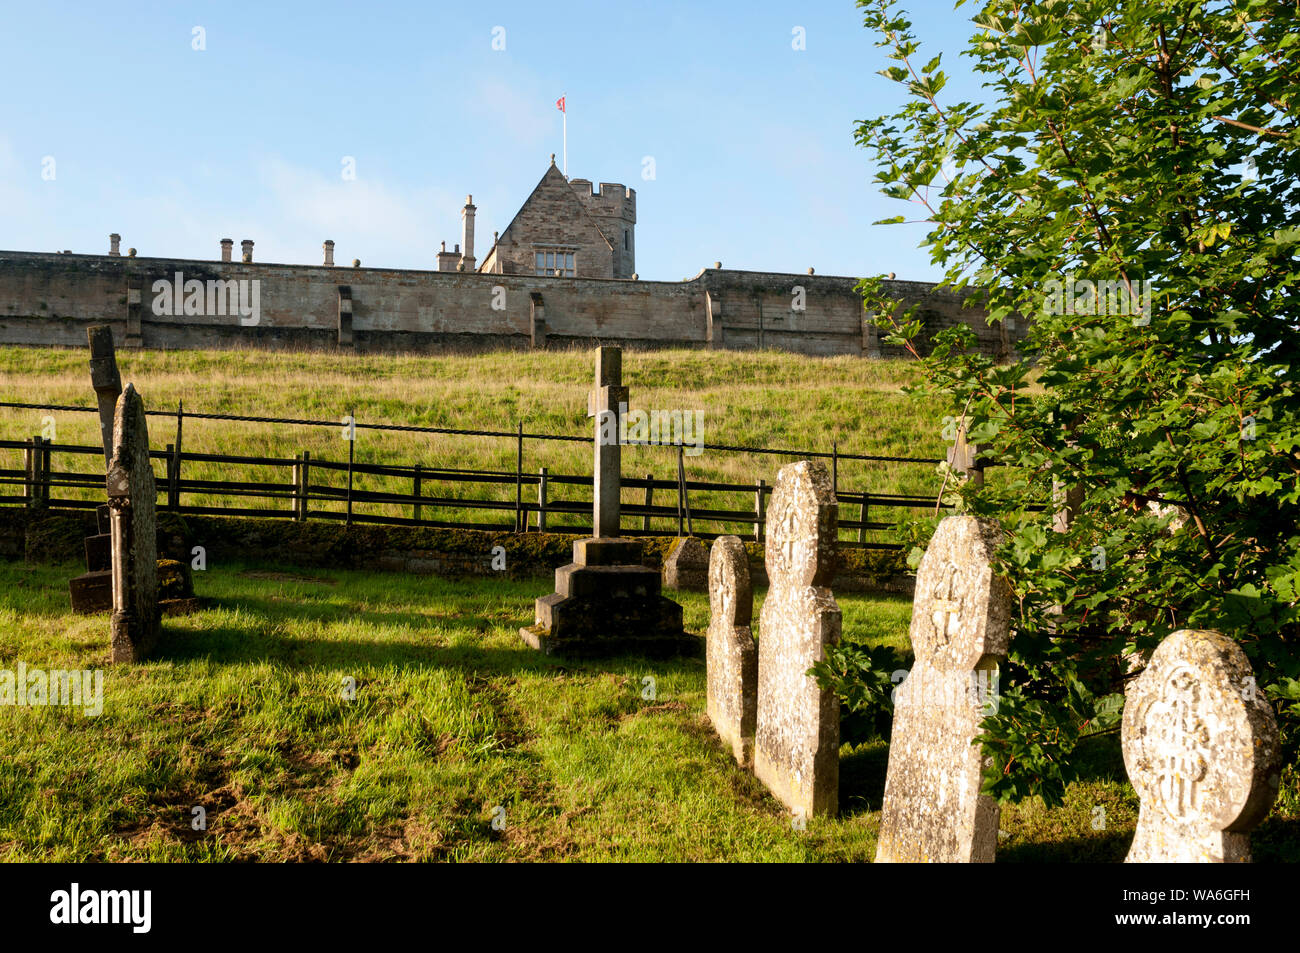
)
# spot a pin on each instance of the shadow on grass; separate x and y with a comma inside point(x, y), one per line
point(862, 778)
point(1097, 848)
point(230, 645)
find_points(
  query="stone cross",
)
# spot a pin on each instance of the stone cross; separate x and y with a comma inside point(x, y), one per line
point(933, 809)
point(606, 403)
point(1201, 748)
point(797, 732)
point(133, 526)
point(963, 456)
point(106, 380)
point(732, 658)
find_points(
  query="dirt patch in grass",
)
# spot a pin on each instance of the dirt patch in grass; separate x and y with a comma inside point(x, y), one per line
point(655, 709)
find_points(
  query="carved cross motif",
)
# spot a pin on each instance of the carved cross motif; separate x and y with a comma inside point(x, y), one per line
point(945, 608)
point(725, 587)
point(788, 526)
point(1181, 743)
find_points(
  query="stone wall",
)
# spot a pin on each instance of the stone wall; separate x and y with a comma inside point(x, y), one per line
point(58, 536)
point(50, 299)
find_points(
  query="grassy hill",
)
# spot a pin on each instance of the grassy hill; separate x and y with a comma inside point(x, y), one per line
point(747, 399)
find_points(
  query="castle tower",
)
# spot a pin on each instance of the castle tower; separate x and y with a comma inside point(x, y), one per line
point(613, 208)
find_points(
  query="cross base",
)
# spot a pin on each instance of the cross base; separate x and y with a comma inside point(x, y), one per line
point(605, 604)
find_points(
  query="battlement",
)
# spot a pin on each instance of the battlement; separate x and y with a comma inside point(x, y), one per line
point(611, 199)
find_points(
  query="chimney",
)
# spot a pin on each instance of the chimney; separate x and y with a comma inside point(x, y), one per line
point(114, 245)
point(226, 245)
point(467, 233)
point(329, 252)
point(247, 246)
point(447, 260)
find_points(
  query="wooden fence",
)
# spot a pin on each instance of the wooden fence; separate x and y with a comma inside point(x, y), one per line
point(542, 501)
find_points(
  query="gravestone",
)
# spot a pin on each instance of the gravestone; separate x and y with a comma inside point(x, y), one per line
point(106, 381)
point(92, 591)
point(732, 657)
point(797, 735)
point(1201, 748)
point(933, 810)
point(605, 601)
point(134, 530)
point(687, 566)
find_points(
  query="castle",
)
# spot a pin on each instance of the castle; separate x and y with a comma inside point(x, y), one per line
point(563, 273)
point(564, 229)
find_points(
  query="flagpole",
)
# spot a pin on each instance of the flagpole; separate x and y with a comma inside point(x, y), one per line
point(565, 114)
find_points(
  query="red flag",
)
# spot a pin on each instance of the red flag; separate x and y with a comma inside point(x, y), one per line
point(559, 104)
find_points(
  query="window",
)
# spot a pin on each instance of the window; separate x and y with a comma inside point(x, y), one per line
point(550, 263)
point(627, 246)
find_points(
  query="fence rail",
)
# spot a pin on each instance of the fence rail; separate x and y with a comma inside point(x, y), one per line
point(427, 496)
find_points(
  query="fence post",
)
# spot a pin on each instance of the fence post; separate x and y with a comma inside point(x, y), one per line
point(541, 500)
point(681, 490)
point(306, 485)
point(45, 470)
point(835, 469)
point(419, 486)
point(862, 518)
point(296, 478)
point(683, 498)
point(759, 511)
point(29, 470)
point(649, 499)
point(520, 526)
point(169, 466)
point(352, 443)
point(174, 485)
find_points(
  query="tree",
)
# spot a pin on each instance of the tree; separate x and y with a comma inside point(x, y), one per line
point(1132, 188)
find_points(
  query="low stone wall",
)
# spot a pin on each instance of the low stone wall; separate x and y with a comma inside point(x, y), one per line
point(57, 536)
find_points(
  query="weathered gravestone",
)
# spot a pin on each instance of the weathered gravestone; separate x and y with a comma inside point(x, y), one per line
point(1201, 748)
point(933, 810)
point(797, 736)
point(732, 657)
point(92, 591)
point(134, 530)
point(687, 566)
point(605, 601)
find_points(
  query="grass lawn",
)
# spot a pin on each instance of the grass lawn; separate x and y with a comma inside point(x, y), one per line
point(455, 722)
point(453, 718)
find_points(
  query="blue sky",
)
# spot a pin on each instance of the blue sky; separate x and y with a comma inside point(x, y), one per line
point(176, 148)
